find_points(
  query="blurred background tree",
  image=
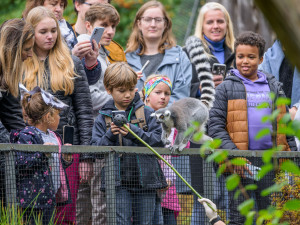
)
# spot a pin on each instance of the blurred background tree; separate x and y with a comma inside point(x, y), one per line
point(182, 12)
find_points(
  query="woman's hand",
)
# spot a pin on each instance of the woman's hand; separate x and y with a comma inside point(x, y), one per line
point(218, 79)
point(140, 74)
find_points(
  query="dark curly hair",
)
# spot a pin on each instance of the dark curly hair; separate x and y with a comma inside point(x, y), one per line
point(253, 39)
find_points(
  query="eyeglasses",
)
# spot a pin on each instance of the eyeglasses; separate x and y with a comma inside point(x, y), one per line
point(157, 20)
point(89, 4)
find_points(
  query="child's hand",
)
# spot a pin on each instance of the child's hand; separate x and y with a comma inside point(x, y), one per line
point(123, 130)
point(48, 143)
point(114, 129)
point(85, 171)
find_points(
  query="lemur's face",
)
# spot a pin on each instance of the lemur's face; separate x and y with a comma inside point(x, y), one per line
point(162, 115)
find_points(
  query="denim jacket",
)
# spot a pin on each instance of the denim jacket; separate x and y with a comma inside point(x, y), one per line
point(175, 64)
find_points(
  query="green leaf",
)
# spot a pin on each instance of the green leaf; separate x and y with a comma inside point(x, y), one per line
point(263, 132)
point(283, 101)
point(237, 194)
point(215, 143)
point(189, 131)
point(221, 169)
point(286, 130)
point(217, 156)
point(267, 155)
point(263, 105)
point(250, 218)
point(285, 119)
point(238, 161)
point(290, 166)
point(251, 187)
point(293, 204)
point(246, 206)
point(197, 136)
point(264, 170)
point(272, 189)
point(274, 115)
point(272, 95)
point(232, 181)
point(266, 118)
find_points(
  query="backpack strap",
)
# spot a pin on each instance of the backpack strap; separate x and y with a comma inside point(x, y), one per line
point(140, 118)
point(108, 123)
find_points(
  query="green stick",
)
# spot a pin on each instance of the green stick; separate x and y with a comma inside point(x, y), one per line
point(166, 162)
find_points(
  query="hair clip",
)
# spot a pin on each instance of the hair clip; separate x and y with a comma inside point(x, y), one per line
point(48, 98)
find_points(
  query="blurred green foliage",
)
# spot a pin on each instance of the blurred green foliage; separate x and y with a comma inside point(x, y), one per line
point(126, 8)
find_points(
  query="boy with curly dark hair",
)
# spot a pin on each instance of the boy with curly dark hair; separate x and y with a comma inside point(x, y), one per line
point(235, 119)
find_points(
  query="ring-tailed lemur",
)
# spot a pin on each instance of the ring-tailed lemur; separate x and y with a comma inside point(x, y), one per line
point(182, 113)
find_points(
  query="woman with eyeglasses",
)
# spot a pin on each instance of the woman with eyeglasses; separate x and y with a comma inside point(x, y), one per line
point(152, 39)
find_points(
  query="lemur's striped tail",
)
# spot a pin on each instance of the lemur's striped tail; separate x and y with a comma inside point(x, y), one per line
point(201, 62)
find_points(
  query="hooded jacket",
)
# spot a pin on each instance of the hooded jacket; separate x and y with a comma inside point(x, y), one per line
point(135, 171)
point(33, 174)
point(175, 64)
point(228, 117)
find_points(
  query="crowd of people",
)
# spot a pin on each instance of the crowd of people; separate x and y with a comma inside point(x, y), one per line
point(52, 75)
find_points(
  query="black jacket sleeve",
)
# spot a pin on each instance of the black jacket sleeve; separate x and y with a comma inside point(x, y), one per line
point(82, 104)
point(11, 112)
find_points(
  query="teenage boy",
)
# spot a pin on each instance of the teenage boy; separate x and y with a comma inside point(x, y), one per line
point(116, 52)
point(98, 15)
point(138, 176)
point(235, 119)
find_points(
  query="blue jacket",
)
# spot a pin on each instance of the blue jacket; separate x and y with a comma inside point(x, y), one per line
point(176, 65)
point(273, 59)
point(136, 171)
point(33, 174)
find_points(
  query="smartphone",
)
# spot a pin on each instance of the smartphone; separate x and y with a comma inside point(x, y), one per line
point(219, 69)
point(68, 134)
point(254, 170)
point(97, 34)
point(114, 113)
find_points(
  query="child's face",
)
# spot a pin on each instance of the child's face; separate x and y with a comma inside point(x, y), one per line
point(247, 61)
point(159, 97)
point(55, 118)
point(122, 96)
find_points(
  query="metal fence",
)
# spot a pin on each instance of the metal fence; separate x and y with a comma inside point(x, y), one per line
point(129, 185)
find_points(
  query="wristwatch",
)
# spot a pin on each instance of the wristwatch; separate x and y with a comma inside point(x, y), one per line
point(213, 221)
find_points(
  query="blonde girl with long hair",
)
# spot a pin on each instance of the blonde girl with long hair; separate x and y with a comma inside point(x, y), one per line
point(54, 69)
point(152, 40)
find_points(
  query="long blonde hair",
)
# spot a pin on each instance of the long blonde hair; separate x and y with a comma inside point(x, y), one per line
point(61, 65)
point(229, 36)
point(136, 39)
point(14, 35)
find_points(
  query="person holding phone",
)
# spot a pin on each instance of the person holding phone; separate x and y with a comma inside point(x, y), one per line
point(54, 69)
point(115, 50)
point(214, 30)
point(101, 21)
